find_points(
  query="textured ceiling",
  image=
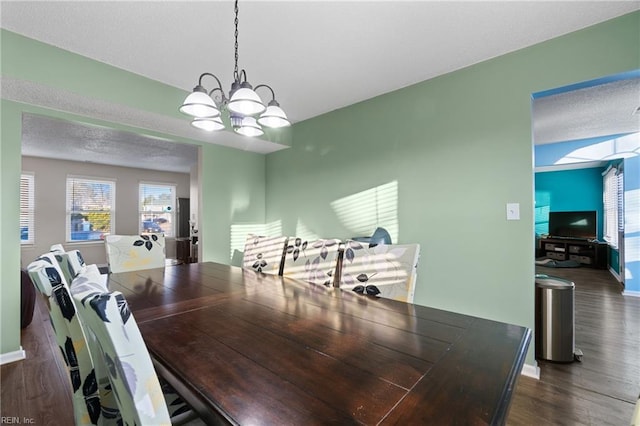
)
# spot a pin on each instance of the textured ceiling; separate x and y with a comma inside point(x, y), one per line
point(317, 55)
point(65, 140)
point(601, 110)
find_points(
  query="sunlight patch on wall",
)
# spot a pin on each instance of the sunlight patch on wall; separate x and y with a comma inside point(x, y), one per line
point(239, 232)
point(542, 209)
point(363, 212)
point(624, 147)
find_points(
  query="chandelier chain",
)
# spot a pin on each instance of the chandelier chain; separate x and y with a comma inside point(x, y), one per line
point(235, 69)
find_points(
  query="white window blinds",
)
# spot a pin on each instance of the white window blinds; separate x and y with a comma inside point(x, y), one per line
point(90, 208)
point(27, 208)
point(157, 208)
point(613, 195)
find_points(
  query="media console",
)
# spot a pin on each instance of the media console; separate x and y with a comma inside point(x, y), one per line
point(585, 252)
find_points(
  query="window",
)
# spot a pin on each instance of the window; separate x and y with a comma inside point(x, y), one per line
point(612, 201)
point(90, 208)
point(157, 207)
point(27, 209)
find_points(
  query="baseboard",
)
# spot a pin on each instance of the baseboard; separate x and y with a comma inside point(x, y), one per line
point(615, 274)
point(532, 371)
point(631, 293)
point(8, 357)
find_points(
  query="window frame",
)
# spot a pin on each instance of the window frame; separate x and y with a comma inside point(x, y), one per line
point(29, 210)
point(173, 188)
point(69, 207)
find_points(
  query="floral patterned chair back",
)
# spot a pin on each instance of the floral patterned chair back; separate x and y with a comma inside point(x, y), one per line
point(311, 261)
point(123, 351)
point(72, 263)
point(384, 270)
point(135, 252)
point(57, 248)
point(50, 282)
point(264, 254)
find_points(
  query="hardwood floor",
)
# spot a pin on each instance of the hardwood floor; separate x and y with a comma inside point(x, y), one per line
point(37, 390)
point(601, 390)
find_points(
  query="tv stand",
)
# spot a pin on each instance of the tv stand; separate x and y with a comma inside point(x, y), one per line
point(583, 251)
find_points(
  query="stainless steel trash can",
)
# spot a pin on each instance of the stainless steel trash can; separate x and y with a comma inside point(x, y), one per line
point(555, 319)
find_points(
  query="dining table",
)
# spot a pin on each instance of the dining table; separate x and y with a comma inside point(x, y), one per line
point(248, 348)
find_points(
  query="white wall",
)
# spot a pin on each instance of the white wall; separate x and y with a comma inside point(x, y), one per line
point(50, 208)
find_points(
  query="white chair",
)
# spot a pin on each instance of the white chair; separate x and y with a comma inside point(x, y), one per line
point(72, 264)
point(92, 400)
point(57, 248)
point(135, 252)
point(264, 254)
point(385, 270)
point(123, 354)
point(311, 261)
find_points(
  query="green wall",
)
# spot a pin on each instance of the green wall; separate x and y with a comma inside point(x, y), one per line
point(225, 173)
point(459, 147)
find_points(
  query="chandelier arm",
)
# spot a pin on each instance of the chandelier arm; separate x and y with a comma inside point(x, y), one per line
point(239, 75)
point(223, 98)
point(210, 75)
point(273, 95)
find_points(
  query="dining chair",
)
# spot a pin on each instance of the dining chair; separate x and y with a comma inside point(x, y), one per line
point(384, 270)
point(57, 248)
point(264, 254)
point(71, 263)
point(179, 411)
point(312, 261)
point(90, 395)
point(135, 252)
point(122, 351)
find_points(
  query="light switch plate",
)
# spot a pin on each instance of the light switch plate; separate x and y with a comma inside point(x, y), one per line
point(513, 211)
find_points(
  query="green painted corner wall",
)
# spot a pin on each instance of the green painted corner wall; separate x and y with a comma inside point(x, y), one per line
point(232, 181)
point(459, 147)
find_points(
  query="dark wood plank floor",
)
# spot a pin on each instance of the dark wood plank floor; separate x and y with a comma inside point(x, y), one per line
point(37, 390)
point(601, 390)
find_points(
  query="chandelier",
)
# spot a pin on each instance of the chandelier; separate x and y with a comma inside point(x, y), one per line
point(247, 112)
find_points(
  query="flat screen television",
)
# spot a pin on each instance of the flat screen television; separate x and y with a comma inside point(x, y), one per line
point(573, 224)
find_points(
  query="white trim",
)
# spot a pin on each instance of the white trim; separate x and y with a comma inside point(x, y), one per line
point(531, 371)
point(8, 357)
point(615, 274)
point(631, 293)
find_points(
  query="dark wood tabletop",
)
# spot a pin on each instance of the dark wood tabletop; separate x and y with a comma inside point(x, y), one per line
point(249, 348)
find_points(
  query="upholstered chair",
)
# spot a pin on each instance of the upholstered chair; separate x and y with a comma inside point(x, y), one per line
point(89, 393)
point(264, 254)
point(72, 264)
point(384, 270)
point(122, 350)
point(135, 252)
point(311, 261)
point(59, 248)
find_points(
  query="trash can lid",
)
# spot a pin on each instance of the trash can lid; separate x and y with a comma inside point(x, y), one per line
point(546, 281)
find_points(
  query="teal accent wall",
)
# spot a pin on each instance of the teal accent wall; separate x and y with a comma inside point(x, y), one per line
point(569, 190)
point(459, 147)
